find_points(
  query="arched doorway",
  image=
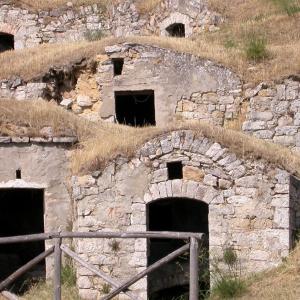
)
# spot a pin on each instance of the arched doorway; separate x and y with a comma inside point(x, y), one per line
point(7, 42)
point(176, 30)
point(180, 215)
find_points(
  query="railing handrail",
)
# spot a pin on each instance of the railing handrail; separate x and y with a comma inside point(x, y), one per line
point(192, 244)
point(101, 234)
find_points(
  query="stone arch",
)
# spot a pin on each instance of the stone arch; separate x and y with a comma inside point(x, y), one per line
point(176, 18)
point(8, 28)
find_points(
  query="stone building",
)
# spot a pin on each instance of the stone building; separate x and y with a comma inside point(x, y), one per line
point(183, 181)
point(23, 27)
point(35, 196)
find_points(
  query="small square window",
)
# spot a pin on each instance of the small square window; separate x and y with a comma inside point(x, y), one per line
point(175, 170)
point(18, 174)
point(118, 66)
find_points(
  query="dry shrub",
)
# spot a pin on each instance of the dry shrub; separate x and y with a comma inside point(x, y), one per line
point(44, 290)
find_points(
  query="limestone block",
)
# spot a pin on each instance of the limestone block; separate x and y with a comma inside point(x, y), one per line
point(166, 146)
point(67, 103)
point(281, 217)
point(261, 116)
point(224, 184)
point(213, 150)
point(254, 125)
point(140, 245)
point(162, 189)
point(88, 294)
point(210, 180)
point(286, 130)
point(176, 187)
point(160, 175)
point(248, 181)
point(84, 101)
point(84, 282)
point(264, 134)
point(285, 140)
point(193, 173)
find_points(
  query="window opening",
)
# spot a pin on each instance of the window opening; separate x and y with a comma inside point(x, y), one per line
point(18, 174)
point(175, 170)
point(118, 66)
point(135, 108)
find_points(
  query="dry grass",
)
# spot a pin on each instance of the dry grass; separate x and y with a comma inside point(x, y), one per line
point(49, 4)
point(261, 18)
point(44, 291)
point(21, 119)
point(147, 6)
point(100, 142)
point(144, 6)
point(282, 283)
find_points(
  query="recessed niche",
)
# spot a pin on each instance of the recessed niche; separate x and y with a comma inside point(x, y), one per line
point(176, 30)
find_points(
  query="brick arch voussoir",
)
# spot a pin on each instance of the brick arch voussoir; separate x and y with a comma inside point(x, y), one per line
point(181, 189)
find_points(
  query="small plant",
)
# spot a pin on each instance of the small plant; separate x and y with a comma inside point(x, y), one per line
point(227, 287)
point(94, 35)
point(256, 48)
point(115, 246)
point(68, 273)
point(105, 289)
point(230, 257)
point(227, 281)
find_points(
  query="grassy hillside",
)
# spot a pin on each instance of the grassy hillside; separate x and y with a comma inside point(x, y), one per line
point(282, 283)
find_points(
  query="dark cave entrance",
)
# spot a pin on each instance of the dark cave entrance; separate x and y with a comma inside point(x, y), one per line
point(176, 30)
point(7, 42)
point(135, 108)
point(21, 213)
point(181, 215)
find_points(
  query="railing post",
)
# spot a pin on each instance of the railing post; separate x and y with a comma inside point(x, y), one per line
point(57, 269)
point(194, 269)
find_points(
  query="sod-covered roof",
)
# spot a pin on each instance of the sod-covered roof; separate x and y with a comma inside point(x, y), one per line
point(101, 142)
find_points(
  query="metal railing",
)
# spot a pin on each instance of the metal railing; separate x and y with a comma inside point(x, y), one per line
point(192, 245)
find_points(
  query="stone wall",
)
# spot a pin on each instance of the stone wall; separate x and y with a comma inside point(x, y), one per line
point(44, 164)
point(210, 92)
point(67, 23)
point(274, 112)
point(249, 205)
point(72, 23)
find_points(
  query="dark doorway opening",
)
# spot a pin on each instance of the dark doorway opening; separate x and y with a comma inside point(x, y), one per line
point(180, 215)
point(118, 66)
point(176, 30)
point(135, 108)
point(21, 213)
point(175, 170)
point(7, 42)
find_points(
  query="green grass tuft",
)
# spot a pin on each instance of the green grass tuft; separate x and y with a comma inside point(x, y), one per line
point(228, 287)
point(256, 48)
